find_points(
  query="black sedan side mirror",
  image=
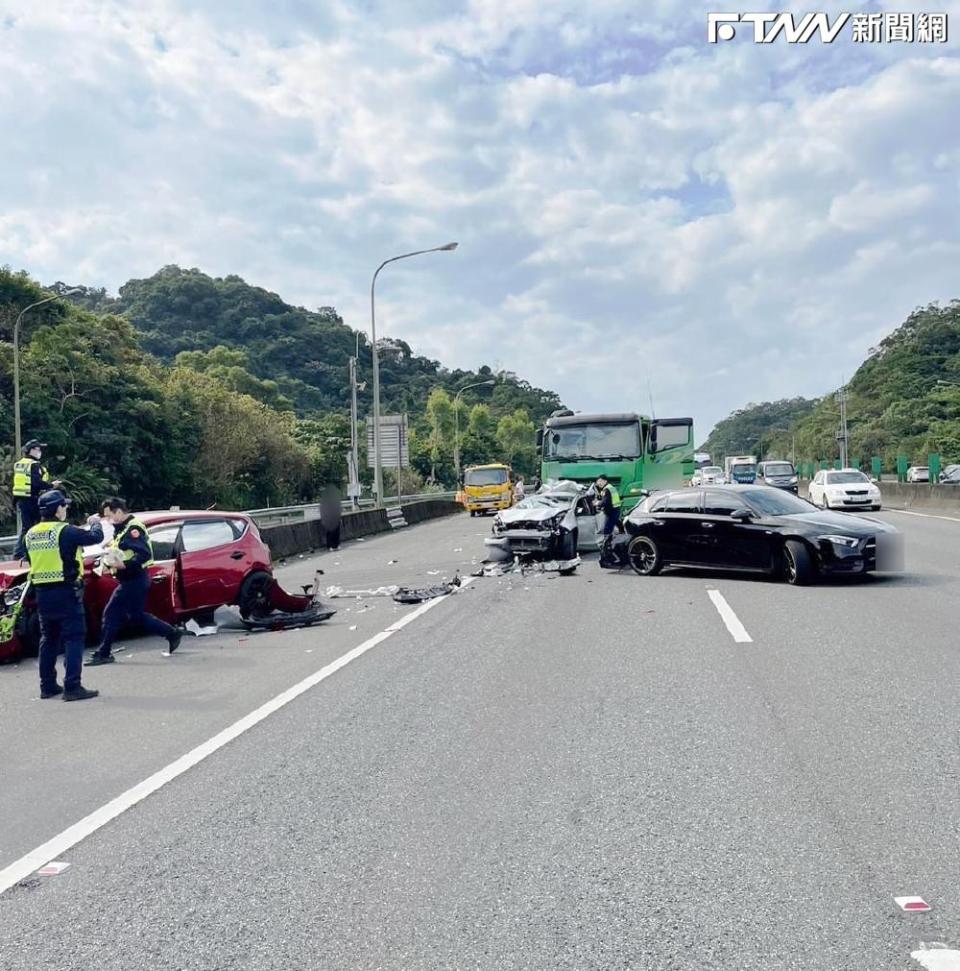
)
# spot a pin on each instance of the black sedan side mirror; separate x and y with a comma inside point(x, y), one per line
point(741, 515)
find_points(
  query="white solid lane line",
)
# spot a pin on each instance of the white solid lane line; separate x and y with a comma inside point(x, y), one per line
point(737, 630)
point(69, 838)
point(937, 958)
point(924, 515)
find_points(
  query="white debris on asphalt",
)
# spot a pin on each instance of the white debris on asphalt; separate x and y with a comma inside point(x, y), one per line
point(198, 631)
point(335, 592)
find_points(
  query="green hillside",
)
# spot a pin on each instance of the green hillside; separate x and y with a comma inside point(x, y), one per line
point(304, 352)
point(903, 400)
point(191, 390)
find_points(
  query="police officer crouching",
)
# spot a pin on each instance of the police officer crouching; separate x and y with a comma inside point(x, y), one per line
point(55, 551)
point(127, 603)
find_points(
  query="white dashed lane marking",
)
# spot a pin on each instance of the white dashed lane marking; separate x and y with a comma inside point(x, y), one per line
point(732, 621)
point(65, 841)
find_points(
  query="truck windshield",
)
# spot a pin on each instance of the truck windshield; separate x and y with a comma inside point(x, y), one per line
point(572, 443)
point(485, 477)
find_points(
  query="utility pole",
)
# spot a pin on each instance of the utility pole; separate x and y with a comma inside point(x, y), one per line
point(353, 466)
point(843, 426)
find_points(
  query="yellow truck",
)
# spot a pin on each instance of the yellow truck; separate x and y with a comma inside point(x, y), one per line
point(487, 488)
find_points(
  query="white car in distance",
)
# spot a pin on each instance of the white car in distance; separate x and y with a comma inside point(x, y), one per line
point(918, 473)
point(712, 475)
point(844, 489)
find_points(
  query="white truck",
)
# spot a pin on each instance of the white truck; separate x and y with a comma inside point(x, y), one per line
point(741, 469)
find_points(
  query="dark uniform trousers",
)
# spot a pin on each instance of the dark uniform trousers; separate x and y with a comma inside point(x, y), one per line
point(63, 629)
point(29, 515)
point(127, 604)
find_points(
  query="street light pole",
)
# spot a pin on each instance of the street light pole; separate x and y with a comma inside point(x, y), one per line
point(16, 360)
point(377, 470)
point(456, 421)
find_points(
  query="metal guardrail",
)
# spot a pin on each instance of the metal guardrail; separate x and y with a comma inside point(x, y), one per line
point(281, 515)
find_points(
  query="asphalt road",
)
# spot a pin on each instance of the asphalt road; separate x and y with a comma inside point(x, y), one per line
point(538, 772)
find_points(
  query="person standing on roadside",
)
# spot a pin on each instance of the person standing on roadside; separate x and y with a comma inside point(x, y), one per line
point(331, 511)
point(55, 551)
point(29, 481)
point(518, 491)
point(127, 603)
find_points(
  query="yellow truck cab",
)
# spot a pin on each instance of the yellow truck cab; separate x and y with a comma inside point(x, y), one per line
point(487, 487)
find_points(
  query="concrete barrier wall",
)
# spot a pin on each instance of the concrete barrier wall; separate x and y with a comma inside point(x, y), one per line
point(292, 539)
point(913, 495)
point(917, 495)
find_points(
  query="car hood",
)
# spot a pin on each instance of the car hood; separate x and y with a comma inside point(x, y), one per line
point(536, 514)
point(840, 522)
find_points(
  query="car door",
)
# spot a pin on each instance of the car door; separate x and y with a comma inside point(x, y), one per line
point(588, 527)
point(676, 526)
point(733, 544)
point(162, 594)
point(210, 563)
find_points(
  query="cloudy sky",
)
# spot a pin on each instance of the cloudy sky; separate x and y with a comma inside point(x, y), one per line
point(730, 222)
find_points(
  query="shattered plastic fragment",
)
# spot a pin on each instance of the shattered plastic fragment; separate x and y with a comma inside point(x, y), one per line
point(52, 869)
point(334, 592)
point(406, 596)
point(198, 631)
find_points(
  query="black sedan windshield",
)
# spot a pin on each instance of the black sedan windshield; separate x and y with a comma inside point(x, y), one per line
point(776, 502)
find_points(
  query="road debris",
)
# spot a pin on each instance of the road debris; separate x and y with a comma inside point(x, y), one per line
point(333, 593)
point(53, 869)
point(415, 596)
point(198, 631)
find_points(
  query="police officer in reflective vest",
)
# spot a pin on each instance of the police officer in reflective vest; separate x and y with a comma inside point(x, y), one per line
point(609, 505)
point(127, 603)
point(29, 480)
point(55, 551)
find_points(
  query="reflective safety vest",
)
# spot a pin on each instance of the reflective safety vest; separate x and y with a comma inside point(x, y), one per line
point(133, 523)
point(614, 495)
point(43, 547)
point(22, 477)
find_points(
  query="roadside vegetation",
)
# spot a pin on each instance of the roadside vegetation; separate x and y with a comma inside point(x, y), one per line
point(903, 400)
point(195, 391)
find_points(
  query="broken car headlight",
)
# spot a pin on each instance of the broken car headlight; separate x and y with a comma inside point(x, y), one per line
point(11, 596)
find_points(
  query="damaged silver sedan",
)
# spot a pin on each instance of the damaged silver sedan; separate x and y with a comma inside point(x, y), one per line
point(554, 523)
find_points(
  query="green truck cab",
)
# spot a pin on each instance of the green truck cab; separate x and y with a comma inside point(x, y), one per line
point(636, 453)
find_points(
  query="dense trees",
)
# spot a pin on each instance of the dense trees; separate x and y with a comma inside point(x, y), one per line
point(191, 390)
point(903, 400)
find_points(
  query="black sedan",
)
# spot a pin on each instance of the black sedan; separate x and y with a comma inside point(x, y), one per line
point(755, 529)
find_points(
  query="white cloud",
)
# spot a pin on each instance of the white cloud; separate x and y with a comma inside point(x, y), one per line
point(733, 222)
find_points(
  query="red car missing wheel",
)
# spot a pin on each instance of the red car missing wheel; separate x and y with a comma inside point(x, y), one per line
point(201, 561)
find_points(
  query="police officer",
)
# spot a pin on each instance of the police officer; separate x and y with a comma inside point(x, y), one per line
point(128, 601)
point(55, 551)
point(609, 500)
point(29, 480)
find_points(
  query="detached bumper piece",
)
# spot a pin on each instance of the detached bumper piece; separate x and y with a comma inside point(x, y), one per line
point(505, 557)
point(288, 611)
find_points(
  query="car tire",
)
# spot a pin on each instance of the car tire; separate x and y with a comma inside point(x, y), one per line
point(473, 513)
point(568, 550)
point(252, 600)
point(644, 557)
point(798, 567)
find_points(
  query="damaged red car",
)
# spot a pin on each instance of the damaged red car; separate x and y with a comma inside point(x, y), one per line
point(202, 560)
